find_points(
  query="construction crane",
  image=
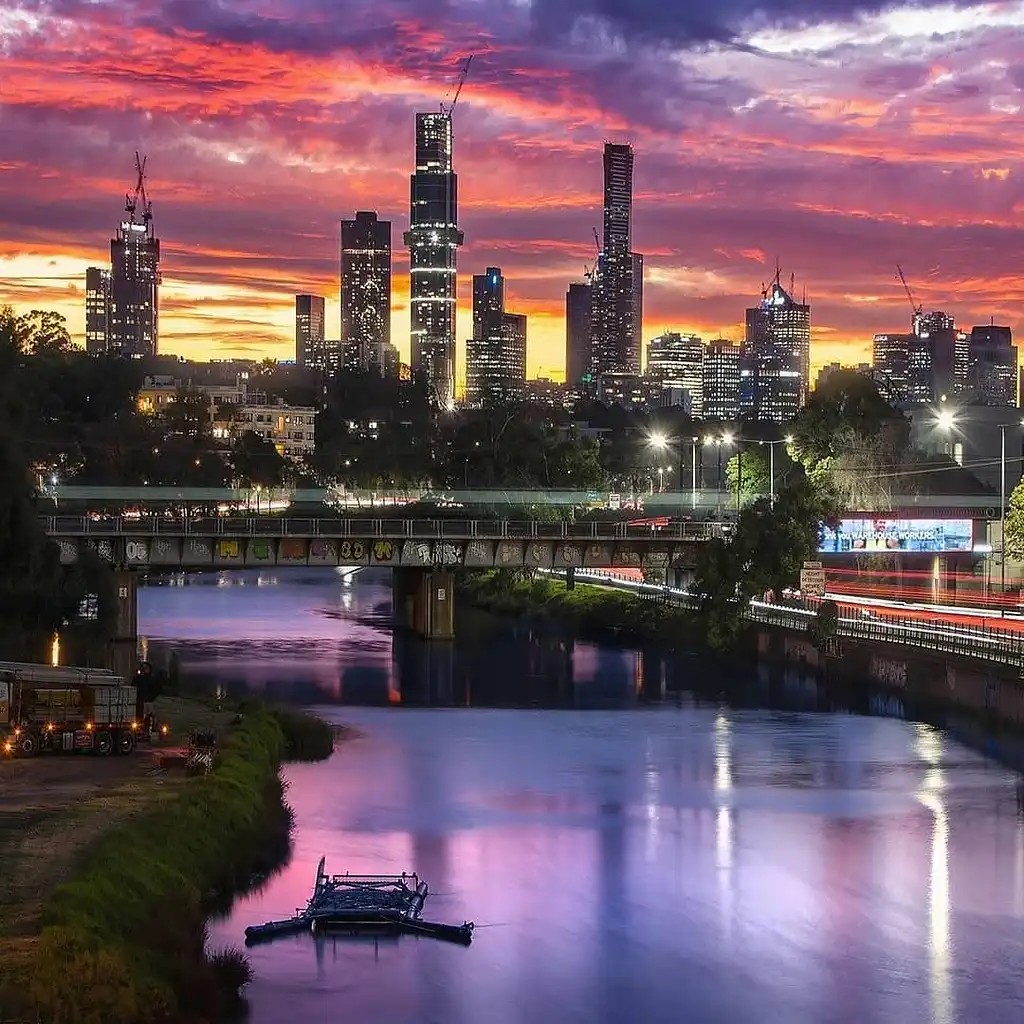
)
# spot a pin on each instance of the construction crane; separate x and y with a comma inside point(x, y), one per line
point(447, 108)
point(133, 200)
point(914, 305)
point(588, 270)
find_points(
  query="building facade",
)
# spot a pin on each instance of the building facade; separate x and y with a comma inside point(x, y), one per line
point(578, 308)
point(496, 354)
point(310, 341)
point(992, 367)
point(366, 291)
point(133, 318)
point(97, 309)
point(617, 298)
point(720, 390)
point(776, 360)
point(675, 364)
point(433, 239)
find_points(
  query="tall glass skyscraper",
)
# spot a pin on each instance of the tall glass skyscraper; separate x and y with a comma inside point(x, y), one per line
point(366, 293)
point(433, 239)
point(617, 309)
point(496, 354)
point(133, 313)
point(776, 371)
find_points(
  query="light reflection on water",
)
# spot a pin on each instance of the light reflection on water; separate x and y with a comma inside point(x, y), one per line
point(659, 862)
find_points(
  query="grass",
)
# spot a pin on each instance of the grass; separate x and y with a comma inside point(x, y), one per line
point(597, 610)
point(103, 903)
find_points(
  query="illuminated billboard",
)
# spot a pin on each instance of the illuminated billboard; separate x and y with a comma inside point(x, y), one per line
point(878, 536)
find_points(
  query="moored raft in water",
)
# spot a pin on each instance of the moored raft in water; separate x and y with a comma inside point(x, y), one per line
point(361, 905)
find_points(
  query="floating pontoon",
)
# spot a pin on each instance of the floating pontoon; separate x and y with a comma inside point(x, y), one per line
point(362, 905)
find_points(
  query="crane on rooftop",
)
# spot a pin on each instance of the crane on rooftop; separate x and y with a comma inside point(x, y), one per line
point(914, 304)
point(137, 200)
point(590, 271)
point(448, 108)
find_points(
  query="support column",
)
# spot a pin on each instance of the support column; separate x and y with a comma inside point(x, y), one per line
point(423, 601)
point(123, 649)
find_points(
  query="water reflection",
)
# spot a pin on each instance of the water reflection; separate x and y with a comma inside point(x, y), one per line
point(654, 857)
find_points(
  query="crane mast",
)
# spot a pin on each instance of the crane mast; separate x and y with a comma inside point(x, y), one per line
point(914, 304)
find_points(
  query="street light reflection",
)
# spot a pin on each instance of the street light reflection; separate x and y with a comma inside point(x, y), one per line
point(931, 795)
point(723, 820)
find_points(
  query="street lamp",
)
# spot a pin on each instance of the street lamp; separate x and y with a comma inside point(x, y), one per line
point(788, 439)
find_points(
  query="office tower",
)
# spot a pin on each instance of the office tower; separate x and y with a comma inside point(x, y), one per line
point(992, 367)
point(776, 370)
point(617, 302)
point(310, 346)
point(433, 239)
point(676, 363)
point(133, 311)
point(366, 291)
point(721, 381)
point(947, 352)
point(890, 357)
point(97, 309)
point(496, 354)
point(577, 332)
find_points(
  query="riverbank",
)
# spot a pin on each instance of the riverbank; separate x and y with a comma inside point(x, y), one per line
point(111, 868)
point(597, 611)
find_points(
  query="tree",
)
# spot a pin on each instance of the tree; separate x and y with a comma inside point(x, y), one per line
point(1013, 526)
point(751, 471)
point(257, 462)
point(188, 414)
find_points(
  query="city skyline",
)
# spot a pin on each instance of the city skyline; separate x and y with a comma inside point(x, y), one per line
point(253, 164)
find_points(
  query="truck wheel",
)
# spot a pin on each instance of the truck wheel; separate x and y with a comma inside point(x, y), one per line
point(125, 743)
point(104, 743)
point(28, 745)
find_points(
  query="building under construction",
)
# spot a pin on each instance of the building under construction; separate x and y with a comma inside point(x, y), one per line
point(123, 303)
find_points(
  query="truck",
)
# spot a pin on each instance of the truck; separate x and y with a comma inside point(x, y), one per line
point(64, 709)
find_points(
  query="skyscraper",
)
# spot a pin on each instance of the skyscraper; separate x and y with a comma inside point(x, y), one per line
point(617, 304)
point(133, 311)
point(577, 331)
point(433, 239)
point(496, 354)
point(366, 292)
point(721, 385)
point(776, 362)
point(992, 367)
point(676, 362)
point(97, 309)
point(310, 350)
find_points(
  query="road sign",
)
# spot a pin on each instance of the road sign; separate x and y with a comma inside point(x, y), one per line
point(813, 565)
point(812, 582)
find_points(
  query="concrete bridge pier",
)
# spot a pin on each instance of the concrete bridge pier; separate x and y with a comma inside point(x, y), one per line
point(423, 601)
point(123, 649)
point(679, 579)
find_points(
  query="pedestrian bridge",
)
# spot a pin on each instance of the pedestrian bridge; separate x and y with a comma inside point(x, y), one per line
point(182, 542)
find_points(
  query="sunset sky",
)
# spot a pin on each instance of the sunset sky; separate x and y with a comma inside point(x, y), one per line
point(840, 138)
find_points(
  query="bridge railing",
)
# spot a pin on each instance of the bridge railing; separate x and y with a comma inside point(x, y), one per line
point(999, 645)
point(367, 528)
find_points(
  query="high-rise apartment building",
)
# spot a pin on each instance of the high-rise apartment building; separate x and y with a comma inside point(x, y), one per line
point(947, 352)
point(992, 367)
point(366, 292)
point(310, 342)
point(675, 362)
point(496, 354)
point(890, 357)
point(433, 239)
point(617, 300)
point(721, 381)
point(97, 309)
point(577, 331)
point(776, 370)
point(134, 315)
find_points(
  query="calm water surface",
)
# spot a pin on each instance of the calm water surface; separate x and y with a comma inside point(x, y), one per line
point(628, 853)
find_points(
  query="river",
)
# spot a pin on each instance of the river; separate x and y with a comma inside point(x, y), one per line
point(628, 852)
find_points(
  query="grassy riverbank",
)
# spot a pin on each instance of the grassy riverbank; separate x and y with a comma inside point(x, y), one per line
point(106, 894)
point(586, 608)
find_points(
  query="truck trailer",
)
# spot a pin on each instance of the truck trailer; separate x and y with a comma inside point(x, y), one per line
point(57, 709)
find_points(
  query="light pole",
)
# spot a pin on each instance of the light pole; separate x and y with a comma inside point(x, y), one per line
point(788, 439)
point(693, 466)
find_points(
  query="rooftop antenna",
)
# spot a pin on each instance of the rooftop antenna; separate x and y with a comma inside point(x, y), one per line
point(792, 283)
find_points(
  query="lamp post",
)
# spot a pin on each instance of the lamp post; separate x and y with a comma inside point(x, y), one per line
point(693, 466)
point(660, 443)
point(788, 439)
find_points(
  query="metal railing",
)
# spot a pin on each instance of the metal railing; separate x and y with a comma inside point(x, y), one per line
point(999, 645)
point(370, 529)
